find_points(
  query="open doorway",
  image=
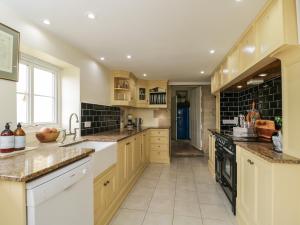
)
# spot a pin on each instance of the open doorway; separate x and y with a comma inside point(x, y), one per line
point(186, 120)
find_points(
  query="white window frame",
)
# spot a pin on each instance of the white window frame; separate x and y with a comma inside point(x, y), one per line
point(32, 63)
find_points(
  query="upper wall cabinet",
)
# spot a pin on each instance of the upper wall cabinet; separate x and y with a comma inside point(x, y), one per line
point(274, 28)
point(127, 90)
point(123, 88)
point(270, 31)
point(248, 50)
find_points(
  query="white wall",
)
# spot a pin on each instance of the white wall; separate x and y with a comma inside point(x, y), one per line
point(94, 78)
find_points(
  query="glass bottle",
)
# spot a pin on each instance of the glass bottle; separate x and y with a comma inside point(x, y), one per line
point(7, 140)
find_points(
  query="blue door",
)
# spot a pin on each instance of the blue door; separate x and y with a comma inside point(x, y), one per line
point(183, 123)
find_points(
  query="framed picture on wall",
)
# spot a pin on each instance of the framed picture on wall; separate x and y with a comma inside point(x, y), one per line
point(9, 53)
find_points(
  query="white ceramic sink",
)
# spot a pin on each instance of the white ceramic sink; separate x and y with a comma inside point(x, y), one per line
point(105, 154)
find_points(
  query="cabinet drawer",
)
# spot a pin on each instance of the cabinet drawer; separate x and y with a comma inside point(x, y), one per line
point(159, 133)
point(159, 147)
point(159, 140)
point(159, 156)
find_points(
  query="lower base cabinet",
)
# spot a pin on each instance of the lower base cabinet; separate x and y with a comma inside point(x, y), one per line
point(112, 186)
point(159, 142)
point(267, 193)
point(211, 154)
point(105, 188)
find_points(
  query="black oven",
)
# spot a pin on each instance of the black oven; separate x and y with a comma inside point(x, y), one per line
point(225, 167)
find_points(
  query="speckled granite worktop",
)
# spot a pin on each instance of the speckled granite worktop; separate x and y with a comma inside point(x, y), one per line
point(45, 159)
point(49, 157)
point(263, 150)
point(118, 135)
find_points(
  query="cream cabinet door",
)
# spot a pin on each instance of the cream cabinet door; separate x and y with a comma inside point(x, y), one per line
point(137, 158)
point(270, 31)
point(129, 158)
point(254, 200)
point(110, 187)
point(233, 63)
point(99, 199)
point(248, 50)
point(122, 164)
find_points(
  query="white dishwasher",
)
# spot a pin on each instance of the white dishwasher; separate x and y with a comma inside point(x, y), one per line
point(63, 197)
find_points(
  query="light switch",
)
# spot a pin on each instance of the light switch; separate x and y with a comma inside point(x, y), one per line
point(87, 124)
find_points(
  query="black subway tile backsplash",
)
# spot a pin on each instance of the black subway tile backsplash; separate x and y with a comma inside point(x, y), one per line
point(268, 98)
point(102, 118)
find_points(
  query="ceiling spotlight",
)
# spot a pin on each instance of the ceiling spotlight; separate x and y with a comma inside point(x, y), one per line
point(144, 74)
point(129, 57)
point(102, 58)
point(212, 51)
point(202, 72)
point(46, 21)
point(263, 75)
point(239, 86)
point(238, 0)
point(91, 15)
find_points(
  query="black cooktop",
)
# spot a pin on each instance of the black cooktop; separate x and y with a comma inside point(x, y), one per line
point(229, 135)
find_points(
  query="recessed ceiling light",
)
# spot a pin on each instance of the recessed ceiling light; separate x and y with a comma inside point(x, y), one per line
point(212, 51)
point(239, 86)
point(91, 15)
point(202, 72)
point(46, 21)
point(263, 75)
point(144, 74)
point(102, 58)
point(129, 57)
point(238, 0)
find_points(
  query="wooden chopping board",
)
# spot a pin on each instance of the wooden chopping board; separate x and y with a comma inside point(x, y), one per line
point(253, 113)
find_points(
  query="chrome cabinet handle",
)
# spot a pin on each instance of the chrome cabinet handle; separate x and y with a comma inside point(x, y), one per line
point(250, 162)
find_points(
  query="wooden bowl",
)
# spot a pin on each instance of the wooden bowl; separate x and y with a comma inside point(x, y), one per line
point(47, 137)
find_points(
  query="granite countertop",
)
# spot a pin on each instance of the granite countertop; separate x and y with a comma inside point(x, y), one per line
point(262, 149)
point(43, 160)
point(46, 158)
point(118, 135)
point(265, 151)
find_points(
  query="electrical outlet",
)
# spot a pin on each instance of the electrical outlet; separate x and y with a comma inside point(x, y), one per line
point(87, 124)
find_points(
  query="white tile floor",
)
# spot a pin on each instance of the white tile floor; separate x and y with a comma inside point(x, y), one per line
point(183, 193)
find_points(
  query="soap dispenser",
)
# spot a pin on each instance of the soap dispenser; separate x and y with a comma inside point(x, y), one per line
point(7, 140)
point(19, 138)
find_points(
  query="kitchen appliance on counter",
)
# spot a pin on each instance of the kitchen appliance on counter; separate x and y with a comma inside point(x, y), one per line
point(63, 197)
point(138, 122)
point(130, 123)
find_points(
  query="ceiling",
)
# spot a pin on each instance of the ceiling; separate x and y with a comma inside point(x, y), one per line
point(168, 39)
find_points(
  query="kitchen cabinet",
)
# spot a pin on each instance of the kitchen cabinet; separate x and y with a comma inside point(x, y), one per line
point(224, 73)
point(122, 165)
point(254, 196)
point(105, 189)
point(123, 88)
point(267, 193)
point(129, 91)
point(273, 30)
point(215, 82)
point(142, 94)
point(159, 146)
point(248, 50)
point(211, 154)
point(146, 149)
point(233, 63)
point(137, 156)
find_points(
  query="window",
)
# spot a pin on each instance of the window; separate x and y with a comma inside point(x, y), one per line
point(37, 92)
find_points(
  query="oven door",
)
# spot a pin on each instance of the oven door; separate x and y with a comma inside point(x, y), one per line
point(218, 165)
point(228, 166)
